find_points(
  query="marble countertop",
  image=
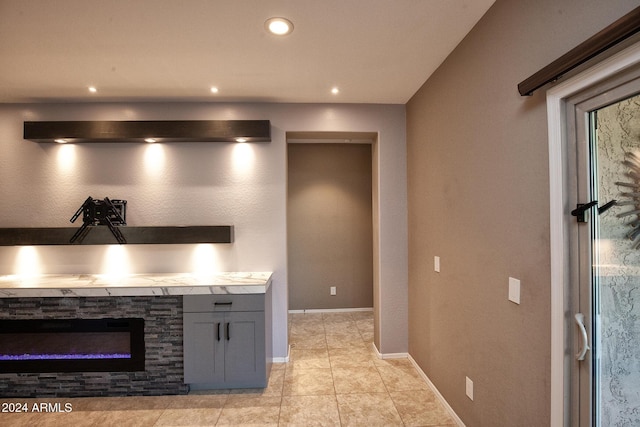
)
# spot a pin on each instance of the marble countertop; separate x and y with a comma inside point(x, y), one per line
point(90, 285)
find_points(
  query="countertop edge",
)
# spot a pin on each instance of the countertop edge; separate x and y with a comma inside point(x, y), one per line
point(83, 285)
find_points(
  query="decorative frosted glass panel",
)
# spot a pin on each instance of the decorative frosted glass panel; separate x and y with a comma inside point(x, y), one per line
point(618, 273)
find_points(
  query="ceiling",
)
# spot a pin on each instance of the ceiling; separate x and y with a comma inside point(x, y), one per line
point(374, 51)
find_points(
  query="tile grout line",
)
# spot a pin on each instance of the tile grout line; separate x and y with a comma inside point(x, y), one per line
point(333, 380)
point(388, 392)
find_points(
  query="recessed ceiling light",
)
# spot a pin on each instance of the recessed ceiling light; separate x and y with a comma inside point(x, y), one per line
point(150, 140)
point(214, 89)
point(60, 141)
point(335, 90)
point(92, 89)
point(279, 26)
point(241, 139)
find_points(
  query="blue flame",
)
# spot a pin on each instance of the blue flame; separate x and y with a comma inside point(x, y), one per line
point(64, 356)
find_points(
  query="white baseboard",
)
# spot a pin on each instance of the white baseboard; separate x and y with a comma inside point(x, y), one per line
point(329, 310)
point(424, 376)
point(446, 405)
point(282, 359)
point(389, 355)
point(426, 379)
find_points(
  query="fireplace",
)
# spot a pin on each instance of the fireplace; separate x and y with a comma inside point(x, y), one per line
point(72, 345)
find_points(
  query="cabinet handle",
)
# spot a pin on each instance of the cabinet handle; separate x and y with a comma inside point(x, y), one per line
point(227, 332)
point(218, 331)
point(223, 303)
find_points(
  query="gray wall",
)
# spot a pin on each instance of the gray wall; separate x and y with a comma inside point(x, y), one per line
point(199, 184)
point(329, 226)
point(478, 197)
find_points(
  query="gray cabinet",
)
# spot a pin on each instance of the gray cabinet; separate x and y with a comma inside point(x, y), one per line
point(225, 341)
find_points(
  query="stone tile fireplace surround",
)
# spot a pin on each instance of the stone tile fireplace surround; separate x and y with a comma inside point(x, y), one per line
point(163, 372)
point(158, 299)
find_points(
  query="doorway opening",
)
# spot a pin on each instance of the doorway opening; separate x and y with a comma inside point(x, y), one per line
point(330, 235)
point(331, 221)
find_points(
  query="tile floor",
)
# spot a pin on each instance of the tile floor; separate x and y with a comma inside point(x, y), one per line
point(333, 379)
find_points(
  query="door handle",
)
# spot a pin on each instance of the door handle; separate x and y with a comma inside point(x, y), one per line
point(228, 336)
point(218, 331)
point(579, 317)
point(581, 209)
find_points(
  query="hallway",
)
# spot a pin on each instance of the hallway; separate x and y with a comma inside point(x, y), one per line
point(333, 378)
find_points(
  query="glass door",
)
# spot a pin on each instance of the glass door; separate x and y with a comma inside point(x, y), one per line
point(614, 136)
point(605, 272)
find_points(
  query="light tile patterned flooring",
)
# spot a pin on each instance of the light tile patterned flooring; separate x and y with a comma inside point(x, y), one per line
point(333, 379)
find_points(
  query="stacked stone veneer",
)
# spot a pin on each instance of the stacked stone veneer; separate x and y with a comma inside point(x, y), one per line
point(163, 372)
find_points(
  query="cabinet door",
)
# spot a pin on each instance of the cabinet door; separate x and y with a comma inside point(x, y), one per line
point(245, 349)
point(203, 347)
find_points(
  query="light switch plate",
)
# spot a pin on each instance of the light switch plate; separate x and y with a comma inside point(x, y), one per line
point(514, 290)
point(469, 388)
point(436, 264)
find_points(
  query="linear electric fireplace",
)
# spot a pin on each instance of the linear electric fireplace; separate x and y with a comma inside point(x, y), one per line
point(72, 345)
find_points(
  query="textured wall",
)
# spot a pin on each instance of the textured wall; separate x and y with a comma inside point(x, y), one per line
point(163, 372)
point(618, 133)
point(198, 184)
point(478, 193)
point(329, 226)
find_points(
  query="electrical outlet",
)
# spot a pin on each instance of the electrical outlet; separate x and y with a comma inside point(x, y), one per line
point(436, 264)
point(469, 388)
point(332, 290)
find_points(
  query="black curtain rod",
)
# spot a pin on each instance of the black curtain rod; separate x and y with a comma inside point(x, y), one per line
point(615, 33)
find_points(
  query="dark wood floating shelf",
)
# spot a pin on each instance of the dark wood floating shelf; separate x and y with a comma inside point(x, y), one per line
point(101, 235)
point(139, 131)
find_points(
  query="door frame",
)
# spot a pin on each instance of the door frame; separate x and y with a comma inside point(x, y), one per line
point(354, 137)
point(559, 226)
